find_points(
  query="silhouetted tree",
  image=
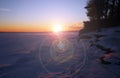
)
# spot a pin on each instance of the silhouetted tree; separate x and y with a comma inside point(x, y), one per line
point(95, 9)
point(104, 12)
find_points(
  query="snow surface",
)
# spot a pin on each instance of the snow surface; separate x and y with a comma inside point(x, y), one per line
point(28, 55)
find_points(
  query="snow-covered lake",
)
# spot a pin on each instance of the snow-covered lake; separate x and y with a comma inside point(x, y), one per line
point(33, 55)
point(60, 55)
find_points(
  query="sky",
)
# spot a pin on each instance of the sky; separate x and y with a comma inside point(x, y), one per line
point(39, 15)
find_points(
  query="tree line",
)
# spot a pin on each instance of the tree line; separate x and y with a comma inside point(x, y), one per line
point(103, 13)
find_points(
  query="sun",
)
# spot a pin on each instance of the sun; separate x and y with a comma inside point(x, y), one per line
point(57, 28)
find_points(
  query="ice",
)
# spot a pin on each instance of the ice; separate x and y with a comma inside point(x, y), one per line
point(27, 55)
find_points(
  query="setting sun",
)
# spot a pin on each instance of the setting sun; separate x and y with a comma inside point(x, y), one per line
point(57, 28)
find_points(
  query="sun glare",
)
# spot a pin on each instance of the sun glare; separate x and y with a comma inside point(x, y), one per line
point(57, 28)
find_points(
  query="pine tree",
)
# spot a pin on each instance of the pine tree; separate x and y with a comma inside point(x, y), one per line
point(104, 12)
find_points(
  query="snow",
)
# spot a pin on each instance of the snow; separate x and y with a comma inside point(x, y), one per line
point(28, 55)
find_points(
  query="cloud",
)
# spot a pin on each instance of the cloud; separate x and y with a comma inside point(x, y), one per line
point(4, 10)
point(77, 25)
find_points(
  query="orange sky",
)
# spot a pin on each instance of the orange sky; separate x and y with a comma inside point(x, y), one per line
point(36, 28)
point(20, 16)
